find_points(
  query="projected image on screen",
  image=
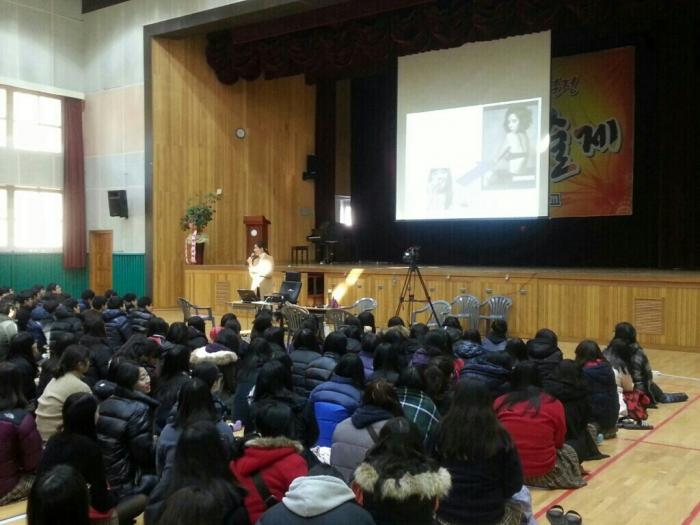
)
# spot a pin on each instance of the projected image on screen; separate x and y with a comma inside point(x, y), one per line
point(472, 130)
point(477, 161)
point(517, 127)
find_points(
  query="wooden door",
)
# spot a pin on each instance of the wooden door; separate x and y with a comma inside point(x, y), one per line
point(100, 260)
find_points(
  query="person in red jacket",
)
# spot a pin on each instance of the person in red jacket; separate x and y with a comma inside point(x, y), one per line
point(537, 424)
point(270, 460)
point(20, 442)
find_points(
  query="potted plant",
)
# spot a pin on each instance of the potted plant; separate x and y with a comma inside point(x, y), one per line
point(199, 213)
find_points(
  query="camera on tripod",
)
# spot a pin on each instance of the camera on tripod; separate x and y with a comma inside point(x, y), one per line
point(411, 255)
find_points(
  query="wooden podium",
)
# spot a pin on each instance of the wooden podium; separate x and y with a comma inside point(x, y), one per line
point(255, 231)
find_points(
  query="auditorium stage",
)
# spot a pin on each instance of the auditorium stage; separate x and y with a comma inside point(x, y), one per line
point(576, 303)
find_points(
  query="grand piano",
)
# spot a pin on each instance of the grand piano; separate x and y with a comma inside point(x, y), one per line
point(332, 239)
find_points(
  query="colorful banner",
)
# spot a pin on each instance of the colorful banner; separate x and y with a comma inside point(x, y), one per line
point(591, 148)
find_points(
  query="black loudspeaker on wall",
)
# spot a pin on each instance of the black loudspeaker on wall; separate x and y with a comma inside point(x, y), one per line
point(117, 203)
point(311, 172)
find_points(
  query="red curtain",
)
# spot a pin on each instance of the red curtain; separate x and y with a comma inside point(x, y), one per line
point(74, 244)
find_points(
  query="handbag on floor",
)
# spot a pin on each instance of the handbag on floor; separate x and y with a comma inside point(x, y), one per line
point(637, 403)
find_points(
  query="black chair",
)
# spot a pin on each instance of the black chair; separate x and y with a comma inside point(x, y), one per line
point(192, 310)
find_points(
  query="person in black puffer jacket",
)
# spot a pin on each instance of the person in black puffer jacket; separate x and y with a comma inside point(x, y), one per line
point(125, 432)
point(543, 350)
point(195, 333)
point(67, 320)
point(469, 347)
point(22, 354)
point(140, 315)
point(100, 354)
point(353, 331)
point(493, 369)
point(305, 351)
point(602, 387)
point(568, 386)
point(320, 369)
point(117, 324)
point(42, 315)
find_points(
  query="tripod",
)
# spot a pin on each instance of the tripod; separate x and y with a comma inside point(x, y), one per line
point(409, 285)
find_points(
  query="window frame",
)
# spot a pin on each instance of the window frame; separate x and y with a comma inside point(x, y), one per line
point(343, 202)
point(9, 118)
point(11, 248)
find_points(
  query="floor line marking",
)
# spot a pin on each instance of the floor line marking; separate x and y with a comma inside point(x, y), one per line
point(13, 519)
point(656, 443)
point(693, 514)
point(615, 458)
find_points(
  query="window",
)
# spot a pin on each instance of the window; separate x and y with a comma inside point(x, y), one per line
point(36, 122)
point(30, 219)
point(3, 118)
point(30, 121)
point(343, 210)
point(3, 218)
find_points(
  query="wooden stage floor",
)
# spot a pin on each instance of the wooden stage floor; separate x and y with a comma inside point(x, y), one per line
point(651, 477)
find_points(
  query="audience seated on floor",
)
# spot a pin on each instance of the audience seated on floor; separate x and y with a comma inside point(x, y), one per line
point(171, 381)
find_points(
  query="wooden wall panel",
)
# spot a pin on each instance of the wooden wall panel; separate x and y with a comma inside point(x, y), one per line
point(577, 305)
point(195, 151)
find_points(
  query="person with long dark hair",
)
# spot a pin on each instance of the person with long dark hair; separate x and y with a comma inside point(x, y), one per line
point(397, 482)
point(481, 458)
point(76, 445)
point(59, 497)
point(640, 368)
point(250, 361)
point(270, 459)
point(192, 505)
point(568, 386)
point(369, 343)
point(275, 382)
point(49, 366)
point(125, 432)
point(195, 403)
point(23, 354)
point(67, 380)
point(20, 442)
point(95, 339)
point(174, 372)
point(200, 460)
point(602, 388)
point(537, 423)
point(354, 436)
point(305, 349)
point(633, 401)
point(517, 349)
point(386, 364)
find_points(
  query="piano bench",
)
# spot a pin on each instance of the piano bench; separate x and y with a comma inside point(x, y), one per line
point(300, 255)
